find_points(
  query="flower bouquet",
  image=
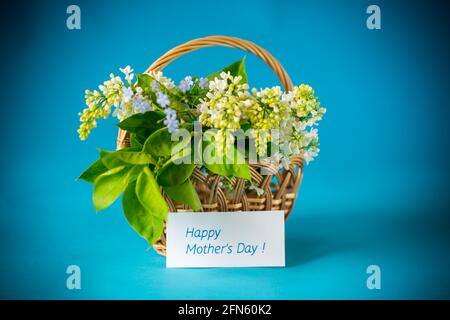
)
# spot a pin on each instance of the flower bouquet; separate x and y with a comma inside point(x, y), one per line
point(205, 144)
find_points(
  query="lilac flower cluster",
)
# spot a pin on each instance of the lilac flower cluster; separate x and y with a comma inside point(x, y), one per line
point(171, 120)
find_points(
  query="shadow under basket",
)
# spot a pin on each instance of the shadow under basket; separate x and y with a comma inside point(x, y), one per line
point(280, 186)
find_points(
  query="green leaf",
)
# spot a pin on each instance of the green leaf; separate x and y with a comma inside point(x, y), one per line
point(124, 157)
point(172, 174)
point(145, 80)
point(109, 185)
point(225, 165)
point(147, 191)
point(143, 124)
point(131, 157)
point(229, 169)
point(96, 169)
point(246, 125)
point(109, 160)
point(136, 141)
point(160, 143)
point(149, 226)
point(184, 193)
point(236, 69)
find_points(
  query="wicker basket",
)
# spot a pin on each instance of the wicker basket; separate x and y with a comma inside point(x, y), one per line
point(280, 186)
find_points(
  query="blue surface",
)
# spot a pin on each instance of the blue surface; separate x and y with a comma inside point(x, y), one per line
point(377, 194)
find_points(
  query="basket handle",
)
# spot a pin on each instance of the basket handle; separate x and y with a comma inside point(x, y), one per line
point(224, 41)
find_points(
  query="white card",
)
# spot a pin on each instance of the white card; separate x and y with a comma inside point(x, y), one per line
point(225, 239)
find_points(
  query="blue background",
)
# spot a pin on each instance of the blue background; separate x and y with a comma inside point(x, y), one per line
point(377, 194)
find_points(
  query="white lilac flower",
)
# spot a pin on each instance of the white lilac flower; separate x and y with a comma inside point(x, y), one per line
point(299, 126)
point(118, 113)
point(171, 120)
point(140, 105)
point(266, 113)
point(203, 83)
point(203, 108)
point(311, 135)
point(309, 155)
point(225, 75)
point(186, 84)
point(162, 80)
point(163, 99)
point(218, 85)
point(248, 103)
point(214, 114)
point(127, 94)
point(259, 191)
point(128, 72)
point(223, 108)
